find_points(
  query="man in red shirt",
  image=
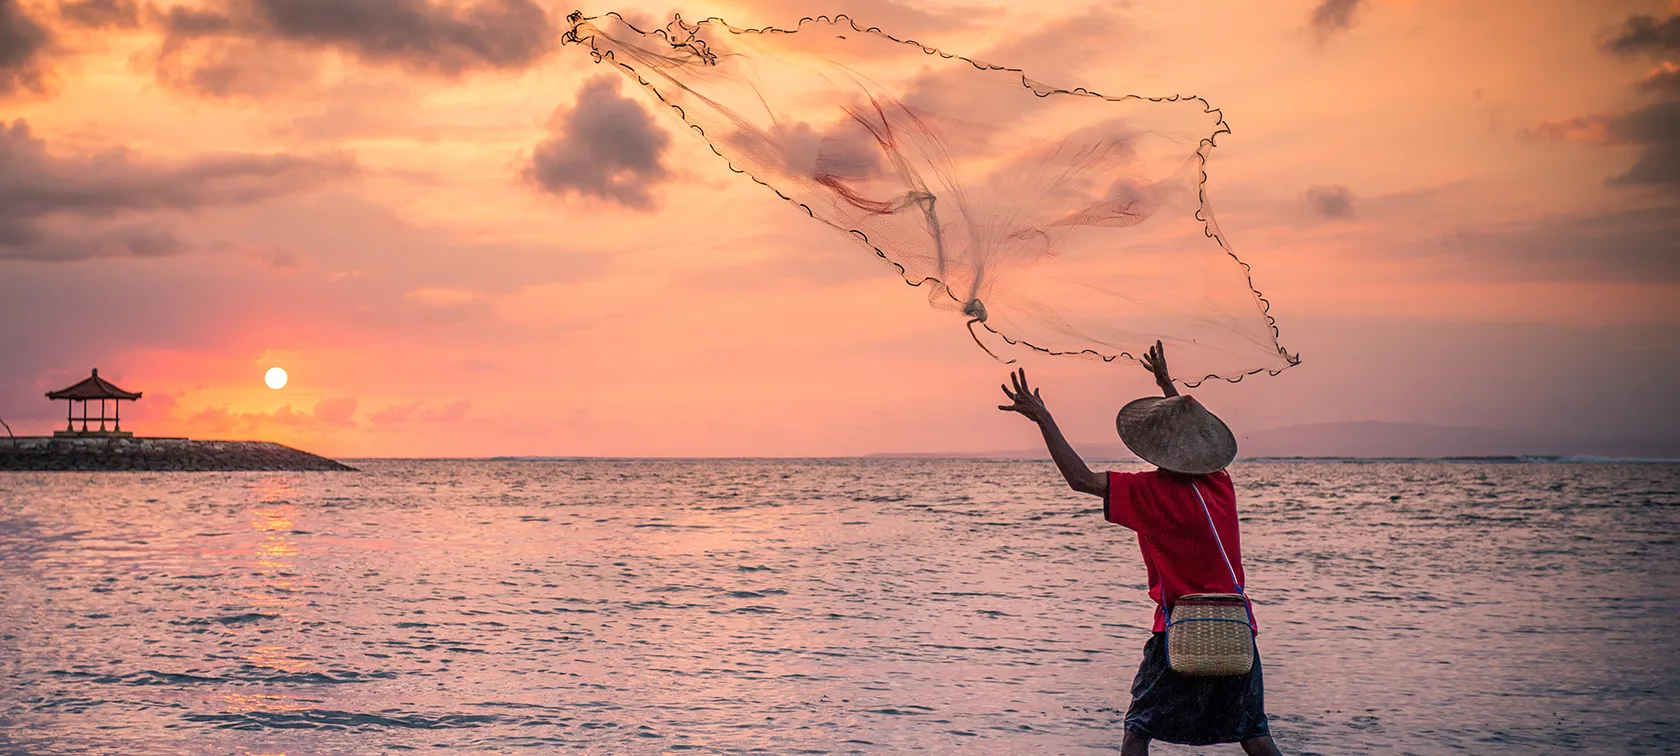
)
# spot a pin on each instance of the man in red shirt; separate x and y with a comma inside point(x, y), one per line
point(1185, 517)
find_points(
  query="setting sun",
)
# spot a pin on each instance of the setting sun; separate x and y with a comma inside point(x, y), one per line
point(275, 378)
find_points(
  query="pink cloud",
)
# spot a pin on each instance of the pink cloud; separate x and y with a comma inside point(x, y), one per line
point(327, 414)
point(402, 414)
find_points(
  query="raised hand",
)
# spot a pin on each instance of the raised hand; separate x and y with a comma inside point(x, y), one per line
point(1023, 399)
point(1156, 362)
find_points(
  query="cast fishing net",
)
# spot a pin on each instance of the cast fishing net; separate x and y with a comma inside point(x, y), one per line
point(1058, 220)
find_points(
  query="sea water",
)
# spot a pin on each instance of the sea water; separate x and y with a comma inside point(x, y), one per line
point(847, 606)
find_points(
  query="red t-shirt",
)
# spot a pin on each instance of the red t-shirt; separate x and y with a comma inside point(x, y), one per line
point(1179, 550)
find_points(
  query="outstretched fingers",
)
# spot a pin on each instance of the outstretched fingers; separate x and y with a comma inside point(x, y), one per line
point(1020, 395)
point(1155, 361)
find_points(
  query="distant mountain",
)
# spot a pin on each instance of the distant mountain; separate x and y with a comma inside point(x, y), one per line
point(1373, 439)
point(1378, 439)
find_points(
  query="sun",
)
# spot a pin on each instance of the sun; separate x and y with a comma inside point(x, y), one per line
point(275, 378)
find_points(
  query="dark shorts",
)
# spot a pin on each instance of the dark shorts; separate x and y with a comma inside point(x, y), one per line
point(1194, 710)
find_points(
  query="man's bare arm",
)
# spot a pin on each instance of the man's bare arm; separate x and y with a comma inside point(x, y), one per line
point(1026, 401)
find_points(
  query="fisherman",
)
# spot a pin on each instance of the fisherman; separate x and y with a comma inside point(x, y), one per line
point(1185, 515)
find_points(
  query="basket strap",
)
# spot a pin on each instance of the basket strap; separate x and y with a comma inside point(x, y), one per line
point(1216, 539)
point(1249, 608)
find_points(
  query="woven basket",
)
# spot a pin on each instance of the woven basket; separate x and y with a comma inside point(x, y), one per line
point(1208, 635)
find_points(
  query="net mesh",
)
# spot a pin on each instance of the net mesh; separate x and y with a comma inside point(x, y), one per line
point(1056, 220)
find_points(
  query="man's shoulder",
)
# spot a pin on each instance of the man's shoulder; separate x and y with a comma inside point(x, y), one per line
point(1142, 479)
point(1221, 484)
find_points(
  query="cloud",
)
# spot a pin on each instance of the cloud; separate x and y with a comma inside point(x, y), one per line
point(896, 18)
point(394, 415)
point(67, 207)
point(1663, 80)
point(1058, 53)
point(607, 146)
point(100, 14)
point(328, 414)
point(441, 296)
point(1588, 129)
point(254, 47)
point(280, 256)
point(1632, 246)
point(1642, 34)
point(453, 413)
point(402, 414)
point(1333, 16)
point(1331, 201)
point(24, 43)
point(1656, 129)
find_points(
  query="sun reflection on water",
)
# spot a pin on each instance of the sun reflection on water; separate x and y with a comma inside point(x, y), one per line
point(272, 586)
point(243, 703)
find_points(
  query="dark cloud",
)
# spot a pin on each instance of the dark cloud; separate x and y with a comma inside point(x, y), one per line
point(1335, 15)
point(110, 203)
point(1653, 128)
point(1656, 129)
point(211, 50)
point(100, 14)
point(1331, 201)
point(228, 67)
point(1663, 81)
point(1642, 34)
point(607, 146)
point(1629, 246)
point(24, 43)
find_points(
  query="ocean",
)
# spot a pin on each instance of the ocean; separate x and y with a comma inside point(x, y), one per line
point(822, 606)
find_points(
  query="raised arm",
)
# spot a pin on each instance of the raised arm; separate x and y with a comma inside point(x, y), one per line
point(1026, 401)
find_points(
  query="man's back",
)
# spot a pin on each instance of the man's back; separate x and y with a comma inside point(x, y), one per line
point(1175, 534)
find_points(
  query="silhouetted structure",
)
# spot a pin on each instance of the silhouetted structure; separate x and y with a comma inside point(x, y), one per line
point(93, 387)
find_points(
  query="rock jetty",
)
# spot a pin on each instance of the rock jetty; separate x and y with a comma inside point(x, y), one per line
point(154, 454)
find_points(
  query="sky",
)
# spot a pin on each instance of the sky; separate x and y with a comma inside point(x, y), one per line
point(461, 238)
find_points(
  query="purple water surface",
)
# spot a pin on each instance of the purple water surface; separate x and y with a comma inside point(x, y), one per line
point(869, 606)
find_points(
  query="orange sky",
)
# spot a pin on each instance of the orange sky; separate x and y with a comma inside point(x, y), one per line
point(1463, 214)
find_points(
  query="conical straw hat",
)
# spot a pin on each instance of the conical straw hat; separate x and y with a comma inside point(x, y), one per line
point(1176, 433)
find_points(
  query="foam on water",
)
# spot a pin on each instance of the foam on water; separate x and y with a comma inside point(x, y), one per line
point(815, 607)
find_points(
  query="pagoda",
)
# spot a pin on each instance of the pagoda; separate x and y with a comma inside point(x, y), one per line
point(90, 389)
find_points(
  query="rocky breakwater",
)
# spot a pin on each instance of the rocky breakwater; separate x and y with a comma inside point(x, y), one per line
point(154, 454)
